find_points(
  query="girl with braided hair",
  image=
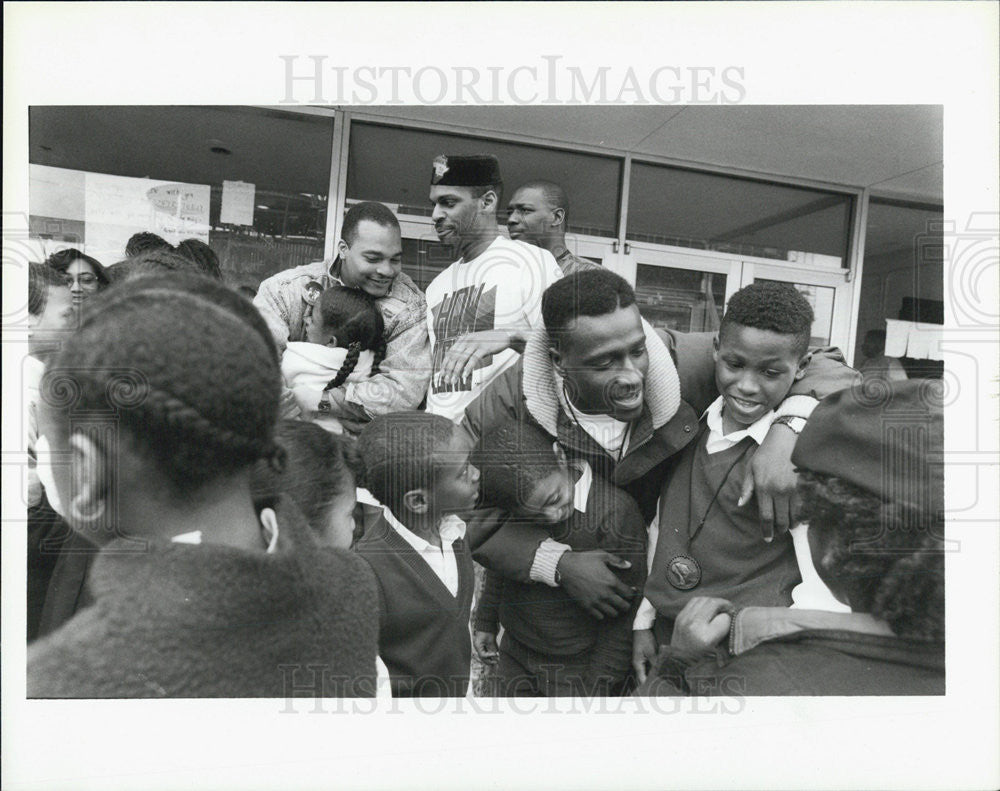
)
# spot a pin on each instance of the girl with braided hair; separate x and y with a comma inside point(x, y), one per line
point(345, 343)
point(193, 596)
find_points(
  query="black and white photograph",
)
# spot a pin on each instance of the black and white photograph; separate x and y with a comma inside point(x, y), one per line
point(382, 395)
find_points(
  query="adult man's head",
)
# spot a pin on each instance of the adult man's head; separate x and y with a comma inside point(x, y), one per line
point(50, 308)
point(597, 343)
point(370, 248)
point(538, 214)
point(465, 192)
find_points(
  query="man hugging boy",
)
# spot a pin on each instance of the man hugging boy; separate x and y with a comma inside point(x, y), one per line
point(709, 541)
point(551, 646)
point(417, 465)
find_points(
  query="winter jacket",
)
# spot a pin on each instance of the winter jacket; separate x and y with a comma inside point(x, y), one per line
point(181, 621)
point(405, 371)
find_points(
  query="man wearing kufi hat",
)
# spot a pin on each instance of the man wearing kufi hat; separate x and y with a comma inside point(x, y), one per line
point(483, 307)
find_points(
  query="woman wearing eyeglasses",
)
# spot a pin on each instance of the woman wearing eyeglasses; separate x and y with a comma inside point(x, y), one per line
point(87, 275)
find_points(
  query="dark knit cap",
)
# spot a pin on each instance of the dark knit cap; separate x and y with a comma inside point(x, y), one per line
point(478, 170)
point(889, 442)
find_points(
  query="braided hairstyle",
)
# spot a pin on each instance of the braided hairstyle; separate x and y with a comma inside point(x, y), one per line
point(202, 256)
point(191, 379)
point(887, 557)
point(353, 316)
point(512, 458)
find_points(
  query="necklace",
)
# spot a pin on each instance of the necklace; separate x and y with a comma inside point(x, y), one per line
point(620, 450)
point(683, 571)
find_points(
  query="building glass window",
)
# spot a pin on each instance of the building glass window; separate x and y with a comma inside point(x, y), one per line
point(393, 165)
point(252, 183)
point(708, 211)
point(680, 299)
point(903, 273)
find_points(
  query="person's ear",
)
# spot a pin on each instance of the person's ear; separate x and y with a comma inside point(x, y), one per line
point(558, 217)
point(715, 348)
point(417, 501)
point(488, 200)
point(91, 480)
point(557, 361)
point(332, 340)
point(342, 247)
point(800, 371)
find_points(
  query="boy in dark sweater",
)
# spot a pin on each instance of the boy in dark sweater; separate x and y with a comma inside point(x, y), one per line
point(550, 645)
point(710, 540)
point(418, 467)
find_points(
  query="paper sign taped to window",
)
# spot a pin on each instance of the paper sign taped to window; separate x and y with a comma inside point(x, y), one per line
point(237, 203)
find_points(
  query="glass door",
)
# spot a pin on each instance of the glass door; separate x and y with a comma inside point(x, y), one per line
point(679, 291)
point(827, 292)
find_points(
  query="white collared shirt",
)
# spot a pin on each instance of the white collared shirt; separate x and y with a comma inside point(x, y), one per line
point(717, 441)
point(608, 432)
point(440, 559)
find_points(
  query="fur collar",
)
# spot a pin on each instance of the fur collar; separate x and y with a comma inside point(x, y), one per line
point(539, 383)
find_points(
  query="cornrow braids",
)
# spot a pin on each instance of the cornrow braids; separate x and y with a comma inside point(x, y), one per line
point(512, 458)
point(378, 355)
point(888, 558)
point(350, 362)
point(189, 380)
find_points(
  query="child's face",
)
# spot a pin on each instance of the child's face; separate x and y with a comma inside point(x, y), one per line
point(551, 498)
point(754, 369)
point(456, 486)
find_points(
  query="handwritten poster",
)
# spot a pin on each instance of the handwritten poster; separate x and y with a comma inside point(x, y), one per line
point(237, 202)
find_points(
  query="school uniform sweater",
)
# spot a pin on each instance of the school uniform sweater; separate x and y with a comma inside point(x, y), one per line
point(736, 563)
point(423, 629)
point(183, 621)
point(548, 621)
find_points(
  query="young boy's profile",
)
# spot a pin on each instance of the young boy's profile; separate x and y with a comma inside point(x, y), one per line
point(550, 645)
point(709, 543)
point(418, 467)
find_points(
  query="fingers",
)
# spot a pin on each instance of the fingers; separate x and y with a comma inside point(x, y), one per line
point(747, 491)
point(614, 561)
point(765, 506)
point(782, 507)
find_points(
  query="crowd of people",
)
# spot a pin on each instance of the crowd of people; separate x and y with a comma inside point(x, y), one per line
point(344, 486)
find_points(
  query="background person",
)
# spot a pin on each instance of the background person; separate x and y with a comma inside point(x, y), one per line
point(482, 308)
point(538, 213)
point(86, 274)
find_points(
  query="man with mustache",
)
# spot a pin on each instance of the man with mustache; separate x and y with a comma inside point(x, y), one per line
point(626, 398)
point(482, 308)
point(539, 214)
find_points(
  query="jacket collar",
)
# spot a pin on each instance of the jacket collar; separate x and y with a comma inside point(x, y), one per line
point(662, 394)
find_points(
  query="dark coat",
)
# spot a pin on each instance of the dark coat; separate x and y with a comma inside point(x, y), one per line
point(181, 620)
